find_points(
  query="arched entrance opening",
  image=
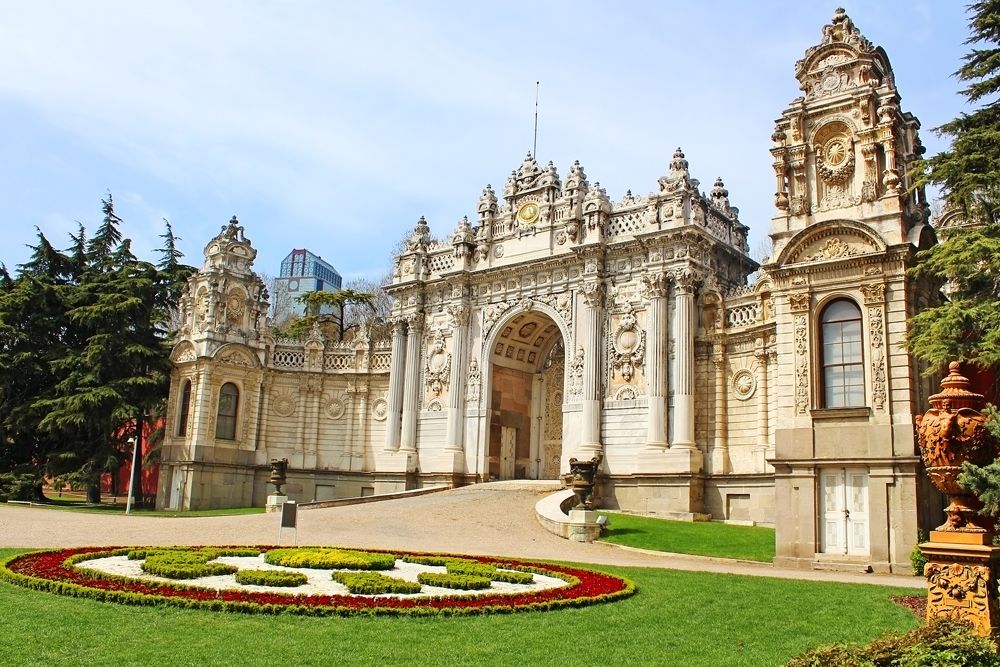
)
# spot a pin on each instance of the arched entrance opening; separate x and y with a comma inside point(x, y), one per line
point(525, 399)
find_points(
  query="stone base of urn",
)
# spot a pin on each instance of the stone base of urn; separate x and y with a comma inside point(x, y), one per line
point(962, 583)
point(274, 502)
point(583, 526)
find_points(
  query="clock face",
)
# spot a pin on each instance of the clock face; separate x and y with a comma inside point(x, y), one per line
point(528, 213)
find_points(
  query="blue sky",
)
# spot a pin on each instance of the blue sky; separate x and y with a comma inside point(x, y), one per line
point(335, 125)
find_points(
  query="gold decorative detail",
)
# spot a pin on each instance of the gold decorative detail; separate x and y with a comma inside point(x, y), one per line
point(528, 213)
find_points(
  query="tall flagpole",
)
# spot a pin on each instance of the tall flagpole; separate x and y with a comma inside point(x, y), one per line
point(534, 146)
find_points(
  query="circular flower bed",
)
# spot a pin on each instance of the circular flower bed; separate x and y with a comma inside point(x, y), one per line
point(66, 572)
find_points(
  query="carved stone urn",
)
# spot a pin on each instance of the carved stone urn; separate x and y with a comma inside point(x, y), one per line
point(583, 473)
point(951, 432)
point(278, 469)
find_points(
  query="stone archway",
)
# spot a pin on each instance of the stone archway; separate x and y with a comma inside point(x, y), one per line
point(525, 397)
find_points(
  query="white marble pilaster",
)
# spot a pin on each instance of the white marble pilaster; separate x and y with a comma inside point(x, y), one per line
point(411, 383)
point(456, 390)
point(684, 361)
point(590, 432)
point(656, 286)
point(397, 366)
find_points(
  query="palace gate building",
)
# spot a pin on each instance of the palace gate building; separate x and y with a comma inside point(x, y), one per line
point(556, 323)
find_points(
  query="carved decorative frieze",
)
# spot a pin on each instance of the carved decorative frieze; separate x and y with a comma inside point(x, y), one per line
point(236, 357)
point(799, 302)
point(834, 248)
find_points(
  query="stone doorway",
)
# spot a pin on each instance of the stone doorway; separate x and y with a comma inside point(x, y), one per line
point(525, 399)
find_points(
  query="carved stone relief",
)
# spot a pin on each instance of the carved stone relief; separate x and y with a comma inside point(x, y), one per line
point(575, 373)
point(961, 592)
point(283, 402)
point(744, 384)
point(801, 365)
point(627, 345)
point(438, 367)
point(473, 383)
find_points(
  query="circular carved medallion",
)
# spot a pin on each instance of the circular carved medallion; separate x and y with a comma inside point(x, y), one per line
point(744, 384)
point(335, 408)
point(380, 409)
point(284, 404)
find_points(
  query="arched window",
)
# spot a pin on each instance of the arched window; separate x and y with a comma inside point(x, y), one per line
point(225, 422)
point(843, 361)
point(185, 408)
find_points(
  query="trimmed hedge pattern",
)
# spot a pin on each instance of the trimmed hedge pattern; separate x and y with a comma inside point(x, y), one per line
point(55, 571)
point(270, 578)
point(373, 583)
point(489, 572)
point(462, 582)
point(330, 559)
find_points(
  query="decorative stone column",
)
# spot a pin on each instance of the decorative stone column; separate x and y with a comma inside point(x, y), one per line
point(684, 360)
point(397, 365)
point(593, 295)
point(656, 286)
point(456, 390)
point(411, 383)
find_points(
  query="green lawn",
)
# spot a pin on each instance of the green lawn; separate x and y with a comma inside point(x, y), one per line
point(704, 538)
point(676, 618)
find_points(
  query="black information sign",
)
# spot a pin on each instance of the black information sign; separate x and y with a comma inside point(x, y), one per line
point(288, 512)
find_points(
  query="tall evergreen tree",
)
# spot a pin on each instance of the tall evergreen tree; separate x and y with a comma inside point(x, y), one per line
point(966, 325)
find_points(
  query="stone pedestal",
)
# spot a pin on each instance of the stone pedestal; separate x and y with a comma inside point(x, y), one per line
point(274, 502)
point(583, 526)
point(962, 584)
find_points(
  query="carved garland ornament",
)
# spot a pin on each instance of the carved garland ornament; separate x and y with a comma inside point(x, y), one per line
point(438, 365)
point(836, 160)
point(961, 592)
point(473, 383)
point(575, 373)
point(627, 345)
point(875, 298)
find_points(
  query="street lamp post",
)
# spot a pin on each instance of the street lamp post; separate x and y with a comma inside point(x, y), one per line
point(131, 476)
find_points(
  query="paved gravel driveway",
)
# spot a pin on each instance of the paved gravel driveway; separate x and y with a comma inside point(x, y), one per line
point(493, 519)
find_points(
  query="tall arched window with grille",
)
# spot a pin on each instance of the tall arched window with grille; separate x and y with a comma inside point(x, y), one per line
point(843, 357)
point(185, 409)
point(225, 422)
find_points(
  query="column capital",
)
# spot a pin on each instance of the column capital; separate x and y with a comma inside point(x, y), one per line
point(458, 315)
point(685, 281)
point(415, 322)
point(593, 294)
point(655, 285)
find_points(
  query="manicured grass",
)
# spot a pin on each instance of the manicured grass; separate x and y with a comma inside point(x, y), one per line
point(705, 538)
point(677, 618)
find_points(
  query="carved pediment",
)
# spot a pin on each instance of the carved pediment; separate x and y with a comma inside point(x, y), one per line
point(836, 241)
point(183, 353)
point(234, 356)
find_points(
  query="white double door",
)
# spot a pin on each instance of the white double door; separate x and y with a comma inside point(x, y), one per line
point(844, 524)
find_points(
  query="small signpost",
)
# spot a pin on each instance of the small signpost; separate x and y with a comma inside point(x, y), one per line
point(289, 518)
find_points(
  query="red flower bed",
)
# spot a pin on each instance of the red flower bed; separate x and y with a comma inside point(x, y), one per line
point(54, 571)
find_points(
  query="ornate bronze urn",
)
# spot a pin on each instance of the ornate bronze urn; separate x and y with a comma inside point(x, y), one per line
point(951, 432)
point(583, 473)
point(278, 469)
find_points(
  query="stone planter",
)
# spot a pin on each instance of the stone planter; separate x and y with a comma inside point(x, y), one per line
point(951, 432)
point(279, 467)
point(583, 473)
